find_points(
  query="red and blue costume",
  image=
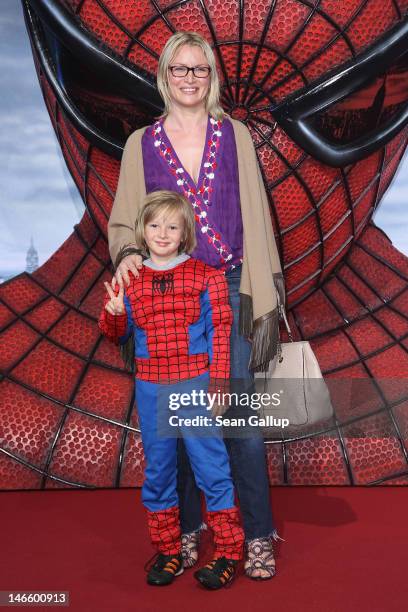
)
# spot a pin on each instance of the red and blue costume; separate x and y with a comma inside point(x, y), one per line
point(181, 320)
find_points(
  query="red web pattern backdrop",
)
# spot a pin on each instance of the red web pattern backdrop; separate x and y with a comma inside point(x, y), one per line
point(66, 410)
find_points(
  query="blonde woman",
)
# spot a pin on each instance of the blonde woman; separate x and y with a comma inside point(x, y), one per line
point(194, 148)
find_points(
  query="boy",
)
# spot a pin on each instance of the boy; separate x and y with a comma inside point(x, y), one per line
point(179, 314)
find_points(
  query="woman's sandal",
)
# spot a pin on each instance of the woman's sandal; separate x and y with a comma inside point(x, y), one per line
point(260, 557)
point(189, 548)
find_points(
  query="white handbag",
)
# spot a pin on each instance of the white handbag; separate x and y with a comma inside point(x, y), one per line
point(294, 377)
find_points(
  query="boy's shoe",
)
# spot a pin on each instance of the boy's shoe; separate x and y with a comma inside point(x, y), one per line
point(217, 573)
point(165, 569)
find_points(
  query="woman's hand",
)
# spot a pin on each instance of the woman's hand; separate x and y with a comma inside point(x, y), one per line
point(116, 305)
point(219, 410)
point(131, 263)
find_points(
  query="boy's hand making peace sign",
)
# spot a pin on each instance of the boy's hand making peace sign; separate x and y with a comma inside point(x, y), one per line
point(115, 306)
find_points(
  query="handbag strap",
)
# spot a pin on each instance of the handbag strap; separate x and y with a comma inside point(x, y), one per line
point(282, 312)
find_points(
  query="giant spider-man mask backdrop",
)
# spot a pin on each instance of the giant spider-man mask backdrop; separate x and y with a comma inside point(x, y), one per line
point(323, 88)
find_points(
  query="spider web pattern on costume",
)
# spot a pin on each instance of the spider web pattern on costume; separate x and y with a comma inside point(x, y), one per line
point(173, 352)
point(66, 401)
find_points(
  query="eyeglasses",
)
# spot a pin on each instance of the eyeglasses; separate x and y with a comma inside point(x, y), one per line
point(201, 72)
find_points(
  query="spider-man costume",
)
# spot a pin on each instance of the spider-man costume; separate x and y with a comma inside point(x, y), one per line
point(181, 320)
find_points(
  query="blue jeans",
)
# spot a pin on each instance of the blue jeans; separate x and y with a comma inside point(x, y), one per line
point(247, 454)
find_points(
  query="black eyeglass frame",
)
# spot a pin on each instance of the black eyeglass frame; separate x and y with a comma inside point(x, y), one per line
point(188, 68)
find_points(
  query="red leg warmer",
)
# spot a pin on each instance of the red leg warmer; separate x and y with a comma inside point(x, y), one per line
point(164, 530)
point(228, 533)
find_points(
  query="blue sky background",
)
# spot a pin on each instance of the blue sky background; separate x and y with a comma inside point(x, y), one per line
point(37, 196)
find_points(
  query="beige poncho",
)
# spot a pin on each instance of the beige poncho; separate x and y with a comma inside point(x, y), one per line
point(261, 269)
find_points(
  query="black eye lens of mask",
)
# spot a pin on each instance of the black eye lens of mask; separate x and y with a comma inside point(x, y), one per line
point(355, 110)
point(104, 97)
point(367, 109)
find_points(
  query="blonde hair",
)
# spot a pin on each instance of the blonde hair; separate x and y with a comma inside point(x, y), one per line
point(166, 203)
point(177, 40)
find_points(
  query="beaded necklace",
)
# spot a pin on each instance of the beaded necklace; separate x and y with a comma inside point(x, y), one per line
point(200, 196)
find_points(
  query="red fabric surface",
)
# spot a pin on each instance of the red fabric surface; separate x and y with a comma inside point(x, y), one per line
point(345, 548)
point(163, 306)
point(164, 530)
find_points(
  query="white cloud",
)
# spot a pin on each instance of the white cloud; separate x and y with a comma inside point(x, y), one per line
point(5, 21)
point(14, 64)
point(392, 214)
point(397, 195)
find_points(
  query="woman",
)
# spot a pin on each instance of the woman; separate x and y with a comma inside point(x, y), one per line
point(196, 149)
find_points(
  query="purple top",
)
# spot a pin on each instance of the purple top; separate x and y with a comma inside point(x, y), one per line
point(215, 198)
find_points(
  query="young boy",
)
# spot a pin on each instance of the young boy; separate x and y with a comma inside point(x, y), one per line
point(179, 314)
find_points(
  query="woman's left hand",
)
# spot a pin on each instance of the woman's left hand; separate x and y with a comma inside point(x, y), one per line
point(218, 410)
